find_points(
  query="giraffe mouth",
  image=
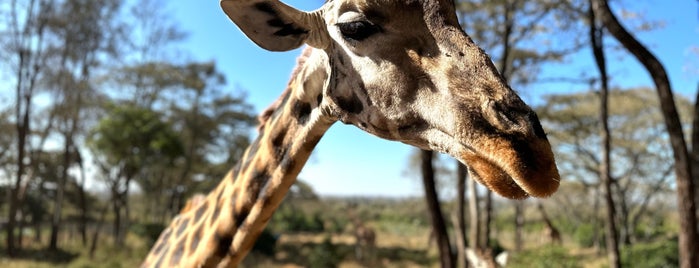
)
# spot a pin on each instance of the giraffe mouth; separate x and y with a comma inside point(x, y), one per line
point(514, 170)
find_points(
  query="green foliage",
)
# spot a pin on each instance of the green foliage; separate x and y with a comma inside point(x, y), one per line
point(584, 235)
point(289, 219)
point(335, 224)
point(661, 253)
point(148, 231)
point(324, 255)
point(544, 257)
point(265, 243)
point(133, 137)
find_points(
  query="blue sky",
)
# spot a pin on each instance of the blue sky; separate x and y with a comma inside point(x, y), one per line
point(350, 162)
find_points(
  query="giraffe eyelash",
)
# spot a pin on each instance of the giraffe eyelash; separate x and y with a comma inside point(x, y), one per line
point(358, 30)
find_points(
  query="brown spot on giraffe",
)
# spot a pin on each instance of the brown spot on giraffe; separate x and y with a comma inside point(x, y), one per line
point(387, 67)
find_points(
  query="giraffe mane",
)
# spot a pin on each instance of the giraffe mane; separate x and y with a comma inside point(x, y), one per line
point(267, 112)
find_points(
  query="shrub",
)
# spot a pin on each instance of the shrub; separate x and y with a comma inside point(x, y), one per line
point(324, 255)
point(148, 231)
point(584, 235)
point(661, 253)
point(549, 256)
point(265, 243)
point(287, 219)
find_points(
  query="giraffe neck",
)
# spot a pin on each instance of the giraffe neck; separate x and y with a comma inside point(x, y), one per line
point(221, 230)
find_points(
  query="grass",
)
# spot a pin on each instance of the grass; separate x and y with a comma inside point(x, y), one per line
point(73, 254)
point(394, 249)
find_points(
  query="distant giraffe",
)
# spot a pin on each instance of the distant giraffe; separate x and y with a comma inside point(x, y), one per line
point(402, 70)
point(551, 233)
point(364, 238)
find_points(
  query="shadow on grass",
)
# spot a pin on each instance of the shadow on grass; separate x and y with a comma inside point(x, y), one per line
point(53, 257)
point(300, 254)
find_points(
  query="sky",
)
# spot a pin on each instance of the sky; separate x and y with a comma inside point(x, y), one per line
point(349, 162)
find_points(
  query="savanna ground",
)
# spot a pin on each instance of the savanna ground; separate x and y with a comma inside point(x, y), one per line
point(309, 233)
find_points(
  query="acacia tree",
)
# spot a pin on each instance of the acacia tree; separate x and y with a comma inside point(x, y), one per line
point(209, 122)
point(688, 244)
point(24, 41)
point(439, 226)
point(82, 31)
point(125, 143)
point(641, 154)
point(597, 44)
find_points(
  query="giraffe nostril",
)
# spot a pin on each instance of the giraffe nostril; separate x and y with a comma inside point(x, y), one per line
point(512, 119)
point(496, 116)
point(536, 125)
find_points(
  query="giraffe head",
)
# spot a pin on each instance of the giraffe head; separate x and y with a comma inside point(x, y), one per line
point(404, 70)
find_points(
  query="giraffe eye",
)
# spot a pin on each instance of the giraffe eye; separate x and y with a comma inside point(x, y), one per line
point(357, 30)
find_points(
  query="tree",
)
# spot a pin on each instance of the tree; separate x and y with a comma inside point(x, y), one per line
point(25, 42)
point(127, 142)
point(460, 222)
point(597, 44)
point(437, 218)
point(209, 122)
point(688, 240)
point(82, 32)
point(641, 153)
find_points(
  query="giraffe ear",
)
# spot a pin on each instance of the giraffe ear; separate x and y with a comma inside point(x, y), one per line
point(274, 25)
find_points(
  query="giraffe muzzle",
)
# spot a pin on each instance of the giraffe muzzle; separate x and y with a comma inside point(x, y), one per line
point(514, 169)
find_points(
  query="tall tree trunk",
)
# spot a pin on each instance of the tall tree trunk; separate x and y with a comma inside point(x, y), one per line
point(487, 219)
point(596, 238)
point(29, 45)
point(83, 200)
point(625, 228)
point(688, 239)
point(22, 126)
point(596, 39)
point(60, 191)
point(519, 223)
point(95, 235)
point(116, 208)
point(461, 176)
point(474, 215)
point(436, 216)
point(695, 150)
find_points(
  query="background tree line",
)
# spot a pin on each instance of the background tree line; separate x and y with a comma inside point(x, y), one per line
point(107, 128)
point(101, 108)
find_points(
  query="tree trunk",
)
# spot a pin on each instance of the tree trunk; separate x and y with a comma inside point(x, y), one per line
point(29, 41)
point(474, 215)
point(116, 208)
point(487, 219)
point(83, 201)
point(685, 185)
point(695, 150)
point(461, 243)
point(596, 238)
point(60, 191)
point(519, 223)
point(95, 235)
point(22, 133)
point(436, 216)
point(596, 39)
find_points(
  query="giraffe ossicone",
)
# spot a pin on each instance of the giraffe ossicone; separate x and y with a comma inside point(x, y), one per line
point(402, 70)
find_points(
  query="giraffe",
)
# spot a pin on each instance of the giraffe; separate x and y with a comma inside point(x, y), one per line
point(551, 233)
point(402, 70)
point(364, 237)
